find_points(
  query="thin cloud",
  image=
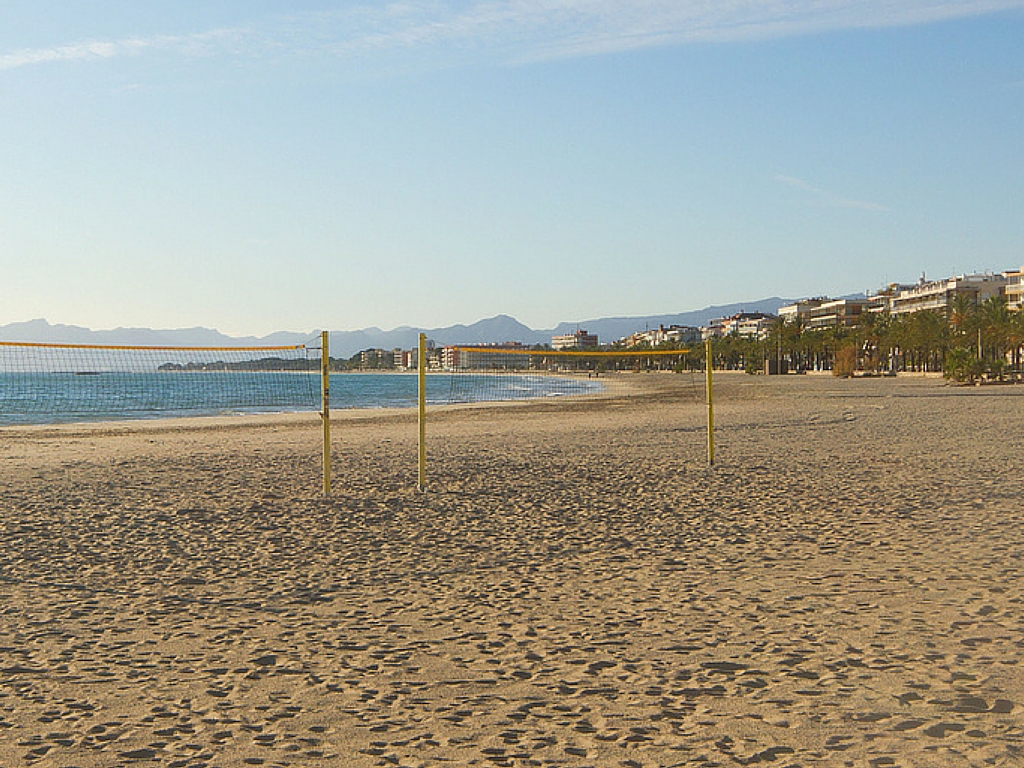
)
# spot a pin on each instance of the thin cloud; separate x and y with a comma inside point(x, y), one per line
point(828, 198)
point(203, 43)
point(543, 29)
point(522, 30)
point(78, 52)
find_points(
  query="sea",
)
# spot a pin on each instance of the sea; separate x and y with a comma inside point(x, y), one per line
point(55, 398)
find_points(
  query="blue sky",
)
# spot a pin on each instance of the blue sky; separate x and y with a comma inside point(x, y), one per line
point(266, 166)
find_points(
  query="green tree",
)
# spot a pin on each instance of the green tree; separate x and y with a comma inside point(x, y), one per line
point(1015, 339)
point(995, 327)
point(962, 314)
point(926, 339)
point(962, 365)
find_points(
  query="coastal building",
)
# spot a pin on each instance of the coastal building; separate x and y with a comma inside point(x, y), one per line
point(749, 325)
point(799, 310)
point(578, 340)
point(1015, 288)
point(673, 334)
point(376, 358)
point(938, 294)
point(485, 357)
point(837, 313)
point(405, 358)
point(824, 312)
point(408, 359)
point(881, 302)
point(752, 325)
point(713, 330)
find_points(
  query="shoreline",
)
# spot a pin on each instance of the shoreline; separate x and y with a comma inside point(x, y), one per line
point(617, 384)
point(613, 388)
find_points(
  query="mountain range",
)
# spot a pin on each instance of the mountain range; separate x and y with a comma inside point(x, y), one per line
point(500, 328)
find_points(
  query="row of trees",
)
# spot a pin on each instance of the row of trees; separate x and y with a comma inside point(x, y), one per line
point(966, 342)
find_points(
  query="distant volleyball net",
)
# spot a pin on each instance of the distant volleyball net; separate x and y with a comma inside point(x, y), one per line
point(497, 373)
point(55, 383)
point(507, 373)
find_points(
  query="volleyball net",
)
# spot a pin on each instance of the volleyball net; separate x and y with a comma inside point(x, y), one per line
point(55, 383)
point(497, 373)
point(51, 383)
point(507, 373)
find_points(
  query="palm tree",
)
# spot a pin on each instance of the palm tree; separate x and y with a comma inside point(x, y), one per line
point(794, 344)
point(962, 314)
point(773, 343)
point(887, 348)
point(994, 316)
point(868, 337)
point(925, 338)
point(1015, 338)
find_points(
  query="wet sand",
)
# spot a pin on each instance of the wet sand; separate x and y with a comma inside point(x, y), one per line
point(576, 588)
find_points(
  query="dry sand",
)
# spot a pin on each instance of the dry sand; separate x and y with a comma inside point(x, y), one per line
point(576, 589)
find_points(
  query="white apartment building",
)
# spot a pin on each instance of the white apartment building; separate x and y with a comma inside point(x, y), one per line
point(938, 294)
point(676, 334)
point(838, 313)
point(751, 325)
point(579, 340)
point(1015, 288)
point(800, 309)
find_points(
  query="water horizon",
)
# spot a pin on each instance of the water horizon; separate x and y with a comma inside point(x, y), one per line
point(100, 396)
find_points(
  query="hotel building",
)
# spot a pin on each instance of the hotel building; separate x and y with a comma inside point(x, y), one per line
point(938, 294)
point(837, 313)
point(1015, 288)
point(749, 325)
point(579, 340)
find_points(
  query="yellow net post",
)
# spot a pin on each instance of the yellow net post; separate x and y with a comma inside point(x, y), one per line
point(325, 415)
point(711, 403)
point(421, 371)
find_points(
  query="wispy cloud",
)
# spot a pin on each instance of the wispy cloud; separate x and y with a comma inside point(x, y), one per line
point(522, 30)
point(214, 41)
point(541, 29)
point(828, 198)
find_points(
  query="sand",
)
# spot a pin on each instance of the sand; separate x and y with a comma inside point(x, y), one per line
point(577, 588)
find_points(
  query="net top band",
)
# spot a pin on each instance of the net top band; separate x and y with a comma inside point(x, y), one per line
point(54, 345)
point(576, 353)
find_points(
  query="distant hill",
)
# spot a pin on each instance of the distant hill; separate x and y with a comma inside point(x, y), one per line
point(44, 332)
point(494, 329)
point(500, 328)
point(612, 328)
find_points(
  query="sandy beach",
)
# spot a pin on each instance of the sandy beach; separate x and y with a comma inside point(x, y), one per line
point(576, 588)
